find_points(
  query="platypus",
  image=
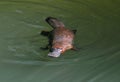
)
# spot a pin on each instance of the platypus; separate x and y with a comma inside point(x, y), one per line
point(60, 38)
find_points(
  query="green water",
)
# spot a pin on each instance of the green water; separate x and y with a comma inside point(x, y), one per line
point(98, 37)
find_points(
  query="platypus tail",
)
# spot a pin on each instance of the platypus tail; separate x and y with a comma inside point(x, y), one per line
point(54, 22)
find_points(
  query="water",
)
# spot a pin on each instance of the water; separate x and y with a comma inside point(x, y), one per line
point(97, 24)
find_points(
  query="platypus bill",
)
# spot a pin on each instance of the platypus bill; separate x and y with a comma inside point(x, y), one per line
point(60, 38)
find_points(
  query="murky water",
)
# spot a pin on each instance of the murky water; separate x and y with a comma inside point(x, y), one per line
point(98, 37)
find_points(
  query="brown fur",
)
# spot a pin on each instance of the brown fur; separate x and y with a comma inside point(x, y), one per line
point(60, 37)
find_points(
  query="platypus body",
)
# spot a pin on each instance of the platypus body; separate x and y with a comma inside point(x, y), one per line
point(60, 38)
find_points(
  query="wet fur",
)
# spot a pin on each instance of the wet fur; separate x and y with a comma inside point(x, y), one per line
point(54, 36)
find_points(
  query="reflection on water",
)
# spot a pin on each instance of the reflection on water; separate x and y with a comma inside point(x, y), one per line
point(97, 24)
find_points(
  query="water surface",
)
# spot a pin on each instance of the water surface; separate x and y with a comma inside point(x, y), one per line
point(98, 37)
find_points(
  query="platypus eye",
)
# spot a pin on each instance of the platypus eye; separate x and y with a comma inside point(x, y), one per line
point(52, 49)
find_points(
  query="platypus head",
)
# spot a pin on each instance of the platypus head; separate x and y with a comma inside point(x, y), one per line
point(55, 53)
point(57, 49)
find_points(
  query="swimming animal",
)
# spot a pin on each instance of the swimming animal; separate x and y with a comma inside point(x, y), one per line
point(60, 38)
